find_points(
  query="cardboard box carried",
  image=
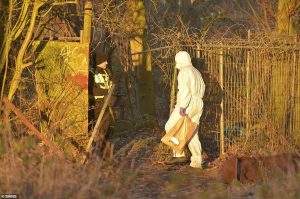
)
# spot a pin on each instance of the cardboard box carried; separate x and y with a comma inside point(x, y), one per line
point(180, 134)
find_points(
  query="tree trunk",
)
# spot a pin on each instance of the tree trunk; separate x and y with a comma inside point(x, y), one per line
point(142, 61)
point(19, 61)
point(284, 75)
point(11, 34)
point(286, 16)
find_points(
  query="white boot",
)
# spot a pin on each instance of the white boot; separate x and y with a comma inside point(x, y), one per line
point(196, 162)
point(178, 155)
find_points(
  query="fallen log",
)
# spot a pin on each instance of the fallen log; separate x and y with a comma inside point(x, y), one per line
point(254, 169)
point(32, 130)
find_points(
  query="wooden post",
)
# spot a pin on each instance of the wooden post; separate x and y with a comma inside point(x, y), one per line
point(221, 65)
point(96, 128)
point(127, 81)
point(248, 91)
point(292, 109)
point(81, 36)
point(87, 24)
point(198, 52)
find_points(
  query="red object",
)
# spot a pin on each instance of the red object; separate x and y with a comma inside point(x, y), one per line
point(79, 79)
point(253, 169)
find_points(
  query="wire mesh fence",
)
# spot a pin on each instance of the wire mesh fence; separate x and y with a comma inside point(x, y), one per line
point(251, 89)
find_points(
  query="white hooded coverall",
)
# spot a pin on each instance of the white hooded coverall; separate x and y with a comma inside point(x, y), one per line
point(191, 89)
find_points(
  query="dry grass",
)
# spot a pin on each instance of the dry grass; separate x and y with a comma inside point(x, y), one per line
point(264, 141)
point(278, 187)
point(56, 178)
point(28, 169)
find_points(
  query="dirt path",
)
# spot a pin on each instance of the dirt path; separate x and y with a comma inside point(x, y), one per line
point(170, 182)
point(144, 154)
point(141, 156)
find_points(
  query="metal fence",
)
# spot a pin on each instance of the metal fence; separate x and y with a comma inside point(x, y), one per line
point(251, 89)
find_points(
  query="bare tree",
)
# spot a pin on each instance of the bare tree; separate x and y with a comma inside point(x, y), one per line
point(287, 16)
point(30, 11)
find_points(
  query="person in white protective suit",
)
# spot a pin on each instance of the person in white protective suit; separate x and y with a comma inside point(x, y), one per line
point(189, 102)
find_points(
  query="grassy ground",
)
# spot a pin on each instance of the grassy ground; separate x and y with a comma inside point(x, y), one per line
point(136, 171)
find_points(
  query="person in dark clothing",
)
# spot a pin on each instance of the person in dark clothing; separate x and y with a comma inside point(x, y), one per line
point(102, 82)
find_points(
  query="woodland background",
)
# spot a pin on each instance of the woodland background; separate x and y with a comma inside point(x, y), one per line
point(141, 38)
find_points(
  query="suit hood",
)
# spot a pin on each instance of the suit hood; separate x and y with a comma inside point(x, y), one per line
point(182, 59)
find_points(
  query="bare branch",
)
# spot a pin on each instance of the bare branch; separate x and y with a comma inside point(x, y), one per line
point(26, 65)
point(60, 3)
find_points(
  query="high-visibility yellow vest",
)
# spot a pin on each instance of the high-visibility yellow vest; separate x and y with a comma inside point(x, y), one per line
point(99, 97)
point(103, 81)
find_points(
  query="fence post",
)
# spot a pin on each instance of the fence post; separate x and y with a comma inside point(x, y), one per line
point(198, 52)
point(292, 108)
point(87, 22)
point(221, 65)
point(248, 90)
point(173, 89)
